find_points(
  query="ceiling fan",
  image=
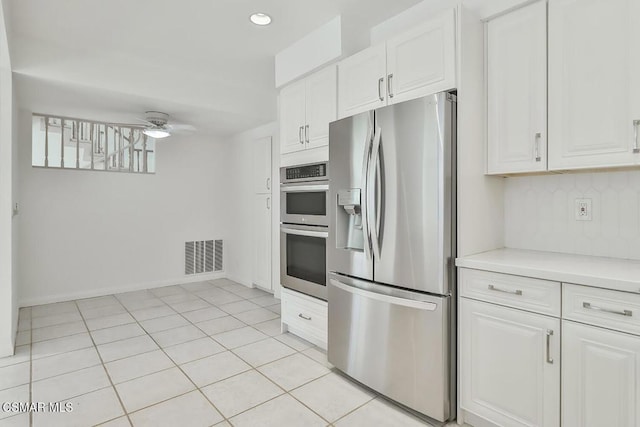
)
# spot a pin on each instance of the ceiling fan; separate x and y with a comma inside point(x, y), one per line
point(157, 125)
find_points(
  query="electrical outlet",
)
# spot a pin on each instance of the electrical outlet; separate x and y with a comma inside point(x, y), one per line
point(583, 210)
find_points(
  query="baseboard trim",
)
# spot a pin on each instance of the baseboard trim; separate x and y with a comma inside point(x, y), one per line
point(244, 282)
point(28, 302)
point(6, 351)
point(471, 419)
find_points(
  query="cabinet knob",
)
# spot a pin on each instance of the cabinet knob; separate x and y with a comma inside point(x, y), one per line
point(636, 148)
point(380, 81)
point(389, 91)
point(537, 146)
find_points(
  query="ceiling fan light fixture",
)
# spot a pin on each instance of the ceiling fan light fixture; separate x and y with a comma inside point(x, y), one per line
point(260, 19)
point(156, 133)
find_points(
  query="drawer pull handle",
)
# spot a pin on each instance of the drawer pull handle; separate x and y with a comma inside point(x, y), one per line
point(549, 359)
point(588, 306)
point(516, 292)
point(302, 316)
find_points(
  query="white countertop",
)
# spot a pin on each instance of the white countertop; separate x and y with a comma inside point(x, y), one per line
point(609, 273)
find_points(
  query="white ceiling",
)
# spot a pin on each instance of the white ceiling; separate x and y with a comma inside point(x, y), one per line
point(201, 61)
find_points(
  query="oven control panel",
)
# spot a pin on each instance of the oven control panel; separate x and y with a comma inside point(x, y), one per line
point(304, 173)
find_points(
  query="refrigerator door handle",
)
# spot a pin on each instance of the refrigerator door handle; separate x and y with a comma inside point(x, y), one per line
point(389, 299)
point(373, 205)
point(368, 247)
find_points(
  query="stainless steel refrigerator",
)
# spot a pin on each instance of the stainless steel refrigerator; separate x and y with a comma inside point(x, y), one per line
point(391, 251)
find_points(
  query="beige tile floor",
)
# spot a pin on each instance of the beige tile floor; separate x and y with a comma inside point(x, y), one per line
point(200, 354)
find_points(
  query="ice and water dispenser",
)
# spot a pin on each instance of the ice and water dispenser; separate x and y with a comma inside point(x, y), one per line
point(349, 232)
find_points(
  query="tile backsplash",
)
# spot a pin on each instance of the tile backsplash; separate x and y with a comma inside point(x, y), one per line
point(540, 213)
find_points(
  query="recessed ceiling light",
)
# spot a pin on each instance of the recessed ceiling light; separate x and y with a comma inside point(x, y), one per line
point(260, 19)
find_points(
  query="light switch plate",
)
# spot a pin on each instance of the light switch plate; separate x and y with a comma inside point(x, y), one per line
point(583, 210)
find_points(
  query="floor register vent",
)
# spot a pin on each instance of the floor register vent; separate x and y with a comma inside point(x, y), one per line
point(204, 256)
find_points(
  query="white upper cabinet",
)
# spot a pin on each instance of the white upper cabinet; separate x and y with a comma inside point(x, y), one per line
point(509, 365)
point(262, 166)
point(594, 81)
point(422, 60)
point(306, 109)
point(517, 91)
point(600, 377)
point(361, 81)
point(321, 106)
point(416, 63)
point(292, 117)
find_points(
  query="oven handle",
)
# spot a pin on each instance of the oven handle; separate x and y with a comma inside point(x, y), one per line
point(301, 232)
point(305, 188)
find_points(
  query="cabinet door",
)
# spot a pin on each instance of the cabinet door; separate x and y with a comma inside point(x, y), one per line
point(292, 117)
point(509, 365)
point(517, 91)
point(261, 152)
point(634, 73)
point(422, 60)
point(262, 241)
point(600, 377)
point(591, 50)
point(361, 82)
point(321, 106)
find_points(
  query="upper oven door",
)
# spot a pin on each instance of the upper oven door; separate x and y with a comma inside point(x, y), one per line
point(304, 203)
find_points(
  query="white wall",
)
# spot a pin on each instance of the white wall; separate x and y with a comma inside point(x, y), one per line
point(319, 47)
point(480, 9)
point(540, 213)
point(480, 197)
point(8, 191)
point(85, 233)
point(241, 241)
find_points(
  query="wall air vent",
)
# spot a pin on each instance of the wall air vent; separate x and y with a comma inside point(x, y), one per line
point(203, 256)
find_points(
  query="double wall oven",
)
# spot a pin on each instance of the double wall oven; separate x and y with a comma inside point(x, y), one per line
point(304, 193)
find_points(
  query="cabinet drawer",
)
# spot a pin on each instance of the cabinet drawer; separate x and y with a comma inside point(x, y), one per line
point(601, 307)
point(540, 296)
point(305, 316)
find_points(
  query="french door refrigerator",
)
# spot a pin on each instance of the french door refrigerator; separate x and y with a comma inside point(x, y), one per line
point(391, 251)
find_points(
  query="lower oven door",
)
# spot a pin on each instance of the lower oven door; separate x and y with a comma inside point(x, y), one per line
point(303, 259)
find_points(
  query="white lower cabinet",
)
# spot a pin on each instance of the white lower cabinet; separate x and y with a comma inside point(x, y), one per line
point(578, 365)
point(305, 317)
point(510, 365)
point(600, 377)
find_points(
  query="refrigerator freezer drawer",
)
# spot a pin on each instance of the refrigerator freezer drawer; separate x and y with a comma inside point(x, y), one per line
point(395, 342)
